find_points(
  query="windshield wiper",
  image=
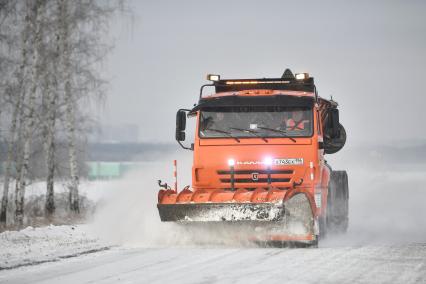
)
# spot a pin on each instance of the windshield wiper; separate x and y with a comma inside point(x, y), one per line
point(224, 132)
point(255, 133)
point(278, 131)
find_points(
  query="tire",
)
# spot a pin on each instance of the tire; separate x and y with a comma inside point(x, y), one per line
point(323, 226)
point(332, 146)
point(338, 203)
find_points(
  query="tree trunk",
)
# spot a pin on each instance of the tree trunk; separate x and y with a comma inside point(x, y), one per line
point(16, 113)
point(52, 84)
point(52, 89)
point(29, 118)
point(50, 155)
point(9, 159)
point(70, 107)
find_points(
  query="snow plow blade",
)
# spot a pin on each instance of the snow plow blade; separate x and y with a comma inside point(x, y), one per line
point(219, 212)
point(269, 223)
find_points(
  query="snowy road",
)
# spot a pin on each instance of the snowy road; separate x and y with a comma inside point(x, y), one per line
point(386, 243)
point(368, 264)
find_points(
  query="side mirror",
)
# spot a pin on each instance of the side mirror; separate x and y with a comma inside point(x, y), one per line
point(180, 125)
point(333, 125)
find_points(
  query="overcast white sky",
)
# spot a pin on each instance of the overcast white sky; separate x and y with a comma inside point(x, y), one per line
point(370, 55)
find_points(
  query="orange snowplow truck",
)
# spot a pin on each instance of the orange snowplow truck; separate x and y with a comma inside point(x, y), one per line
point(258, 161)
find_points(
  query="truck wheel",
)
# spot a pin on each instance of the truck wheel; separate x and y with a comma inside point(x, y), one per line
point(338, 202)
point(323, 226)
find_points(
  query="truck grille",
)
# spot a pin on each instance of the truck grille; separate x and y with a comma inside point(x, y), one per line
point(256, 176)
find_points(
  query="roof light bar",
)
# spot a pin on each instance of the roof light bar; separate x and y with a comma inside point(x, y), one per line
point(301, 76)
point(213, 77)
point(255, 82)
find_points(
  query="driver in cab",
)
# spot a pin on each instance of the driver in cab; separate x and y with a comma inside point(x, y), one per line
point(297, 121)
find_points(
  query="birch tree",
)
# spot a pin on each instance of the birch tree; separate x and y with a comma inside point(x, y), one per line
point(52, 79)
point(83, 22)
point(28, 124)
point(69, 102)
point(48, 76)
point(16, 112)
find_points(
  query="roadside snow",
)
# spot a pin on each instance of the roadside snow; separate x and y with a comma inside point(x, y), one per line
point(37, 245)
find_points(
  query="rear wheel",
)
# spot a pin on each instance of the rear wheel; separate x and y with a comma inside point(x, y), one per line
point(338, 203)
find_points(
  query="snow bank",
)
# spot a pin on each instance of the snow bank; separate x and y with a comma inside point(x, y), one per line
point(91, 193)
point(36, 245)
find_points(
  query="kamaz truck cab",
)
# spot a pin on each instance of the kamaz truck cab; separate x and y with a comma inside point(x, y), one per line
point(258, 161)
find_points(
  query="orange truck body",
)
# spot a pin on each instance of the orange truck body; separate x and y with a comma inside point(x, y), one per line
point(297, 167)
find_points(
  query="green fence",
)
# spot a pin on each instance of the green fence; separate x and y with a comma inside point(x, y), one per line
point(109, 170)
point(98, 170)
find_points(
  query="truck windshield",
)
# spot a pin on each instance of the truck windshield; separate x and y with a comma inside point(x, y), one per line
point(256, 122)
